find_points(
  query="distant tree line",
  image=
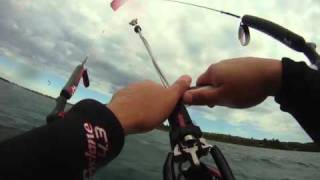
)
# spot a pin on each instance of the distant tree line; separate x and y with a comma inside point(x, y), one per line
point(265, 143)
point(30, 90)
point(5, 80)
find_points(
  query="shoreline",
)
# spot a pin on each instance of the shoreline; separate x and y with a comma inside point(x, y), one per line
point(30, 90)
point(265, 143)
point(251, 142)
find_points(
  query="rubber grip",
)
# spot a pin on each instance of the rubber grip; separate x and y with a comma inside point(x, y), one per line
point(276, 31)
point(179, 117)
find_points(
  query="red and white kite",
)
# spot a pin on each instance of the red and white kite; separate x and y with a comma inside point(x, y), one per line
point(115, 4)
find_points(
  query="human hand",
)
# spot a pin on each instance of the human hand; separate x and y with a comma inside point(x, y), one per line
point(237, 83)
point(143, 106)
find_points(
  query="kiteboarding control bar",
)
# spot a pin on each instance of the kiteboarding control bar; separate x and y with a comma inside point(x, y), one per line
point(187, 143)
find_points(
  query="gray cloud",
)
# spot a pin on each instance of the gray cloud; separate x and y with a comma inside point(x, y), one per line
point(50, 42)
point(56, 35)
point(112, 75)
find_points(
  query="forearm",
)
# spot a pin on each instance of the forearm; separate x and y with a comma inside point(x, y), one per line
point(87, 138)
point(300, 95)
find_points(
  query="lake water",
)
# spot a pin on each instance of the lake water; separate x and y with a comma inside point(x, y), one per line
point(143, 155)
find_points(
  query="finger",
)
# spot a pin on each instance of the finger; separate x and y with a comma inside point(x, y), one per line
point(187, 97)
point(202, 96)
point(180, 86)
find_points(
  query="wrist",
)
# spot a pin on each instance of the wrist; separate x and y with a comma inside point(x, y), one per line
point(120, 116)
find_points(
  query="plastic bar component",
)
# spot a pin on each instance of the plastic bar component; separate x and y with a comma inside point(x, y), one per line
point(181, 125)
point(61, 102)
point(284, 35)
point(85, 78)
point(179, 118)
point(168, 170)
point(222, 163)
point(276, 31)
point(312, 55)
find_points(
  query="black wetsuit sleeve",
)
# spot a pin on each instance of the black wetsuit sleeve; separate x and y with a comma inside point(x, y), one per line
point(300, 95)
point(88, 137)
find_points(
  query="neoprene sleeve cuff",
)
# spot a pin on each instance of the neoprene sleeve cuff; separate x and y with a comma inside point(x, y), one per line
point(300, 95)
point(72, 148)
point(292, 83)
point(95, 137)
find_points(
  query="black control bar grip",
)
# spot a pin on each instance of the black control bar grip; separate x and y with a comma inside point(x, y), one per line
point(276, 31)
point(61, 102)
point(222, 164)
point(181, 125)
point(179, 117)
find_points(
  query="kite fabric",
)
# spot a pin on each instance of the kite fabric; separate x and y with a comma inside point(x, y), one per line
point(115, 4)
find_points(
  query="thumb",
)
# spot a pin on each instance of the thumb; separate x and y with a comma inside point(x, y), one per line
point(206, 95)
point(180, 86)
point(209, 77)
point(204, 78)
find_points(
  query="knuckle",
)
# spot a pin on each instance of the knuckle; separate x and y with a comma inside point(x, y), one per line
point(249, 58)
point(179, 86)
point(212, 67)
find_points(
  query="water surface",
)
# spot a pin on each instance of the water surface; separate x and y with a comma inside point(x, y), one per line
point(143, 155)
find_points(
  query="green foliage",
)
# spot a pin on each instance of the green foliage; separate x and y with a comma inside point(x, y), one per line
point(265, 143)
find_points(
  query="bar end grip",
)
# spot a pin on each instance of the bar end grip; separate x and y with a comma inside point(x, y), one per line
point(276, 31)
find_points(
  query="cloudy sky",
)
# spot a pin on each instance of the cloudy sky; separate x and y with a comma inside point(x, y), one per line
point(43, 41)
